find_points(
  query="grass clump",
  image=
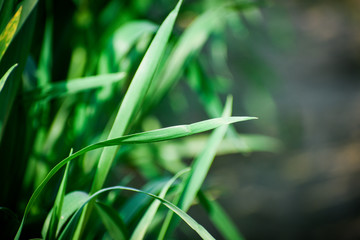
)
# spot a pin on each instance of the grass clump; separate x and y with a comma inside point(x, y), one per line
point(118, 70)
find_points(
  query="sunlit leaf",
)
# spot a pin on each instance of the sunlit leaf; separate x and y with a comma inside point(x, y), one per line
point(146, 137)
point(8, 34)
point(6, 75)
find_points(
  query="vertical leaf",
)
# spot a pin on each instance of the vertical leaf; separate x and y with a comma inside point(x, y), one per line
point(198, 173)
point(56, 215)
point(145, 221)
point(219, 217)
point(135, 95)
point(8, 34)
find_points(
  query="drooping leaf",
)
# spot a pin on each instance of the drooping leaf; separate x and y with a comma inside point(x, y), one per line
point(146, 137)
point(145, 221)
point(203, 233)
point(72, 201)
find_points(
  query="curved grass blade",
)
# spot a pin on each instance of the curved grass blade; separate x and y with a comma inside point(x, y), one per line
point(112, 221)
point(219, 217)
point(189, 44)
point(203, 233)
point(72, 202)
point(135, 95)
point(73, 86)
point(132, 208)
point(6, 75)
point(131, 104)
point(203, 162)
point(56, 216)
point(9, 32)
point(145, 221)
point(145, 137)
point(199, 170)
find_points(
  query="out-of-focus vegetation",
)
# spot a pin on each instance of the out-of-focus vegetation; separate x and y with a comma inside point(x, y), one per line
point(85, 83)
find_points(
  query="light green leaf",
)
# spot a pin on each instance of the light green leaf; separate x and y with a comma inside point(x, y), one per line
point(145, 221)
point(203, 233)
point(6, 75)
point(126, 36)
point(72, 202)
point(199, 170)
point(73, 86)
point(9, 32)
point(135, 95)
point(56, 216)
point(189, 44)
point(145, 137)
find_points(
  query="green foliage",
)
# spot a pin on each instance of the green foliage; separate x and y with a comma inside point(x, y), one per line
point(122, 74)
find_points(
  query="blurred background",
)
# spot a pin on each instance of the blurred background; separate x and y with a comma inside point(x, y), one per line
point(307, 95)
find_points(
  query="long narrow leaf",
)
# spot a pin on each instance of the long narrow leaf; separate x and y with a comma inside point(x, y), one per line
point(146, 137)
point(56, 216)
point(9, 32)
point(219, 217)
point(6, 75)
point(203, 233)
point(73, 86)
point(72, 202)
point(145, 221)
point(189, 44)
point(131, 104)
point(198, 173)
point(135, 95)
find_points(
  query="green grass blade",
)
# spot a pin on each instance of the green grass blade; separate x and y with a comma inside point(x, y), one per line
point(198, 173)
point(112, 221)
point(135, 95)
point(56, 216)
point(6, 75)
point(131, 104)
point(189, 44)
point(127, 35)
point(73, 86)
point(219, 218)
point(28, 7)
point(145, 221)
point(45, 62)
point(17, 53)
point(203, 233)
point(132, 208)
point(72, 202)
point(205, 89)
point(145, 137)
point(9, 32)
